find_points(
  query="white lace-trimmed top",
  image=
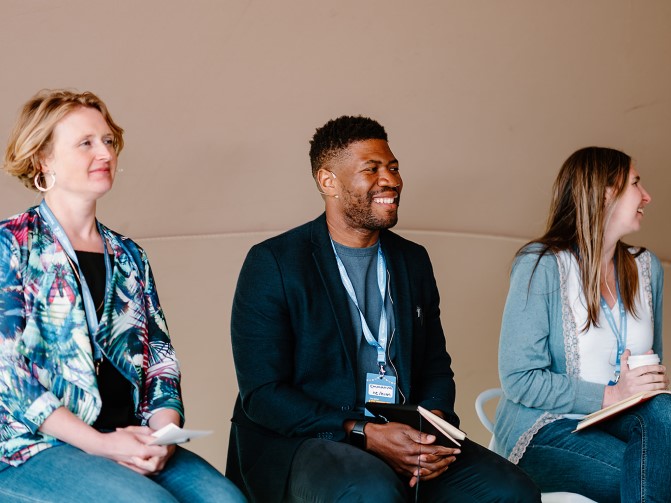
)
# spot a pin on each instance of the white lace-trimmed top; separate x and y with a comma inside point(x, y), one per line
point(597, 347)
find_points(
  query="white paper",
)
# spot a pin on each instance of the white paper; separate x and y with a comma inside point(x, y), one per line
point(173, 434)
point(450, 431)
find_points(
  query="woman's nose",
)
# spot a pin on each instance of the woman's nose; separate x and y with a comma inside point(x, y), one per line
point(647, 198)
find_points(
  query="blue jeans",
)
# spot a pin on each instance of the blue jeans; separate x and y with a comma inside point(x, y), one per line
point(328, 472)
point(67, 474)
point(622, 459)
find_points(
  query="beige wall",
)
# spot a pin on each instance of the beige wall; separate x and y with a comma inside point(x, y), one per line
point(483, 100)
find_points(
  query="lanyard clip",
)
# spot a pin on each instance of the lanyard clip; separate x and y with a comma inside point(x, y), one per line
point(382, 370)
point(616, 378)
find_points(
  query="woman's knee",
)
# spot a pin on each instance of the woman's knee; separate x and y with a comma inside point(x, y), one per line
point(64, 473)
point(656, 413)
point(659, 406)
point(188, 477)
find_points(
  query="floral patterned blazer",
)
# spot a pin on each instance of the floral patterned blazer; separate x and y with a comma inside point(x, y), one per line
point(46, 358)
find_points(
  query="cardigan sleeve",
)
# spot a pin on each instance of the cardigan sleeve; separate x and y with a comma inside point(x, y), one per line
point(532, 316)
point(657, 285)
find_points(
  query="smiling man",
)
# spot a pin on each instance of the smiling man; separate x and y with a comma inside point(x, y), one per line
point(333, 314)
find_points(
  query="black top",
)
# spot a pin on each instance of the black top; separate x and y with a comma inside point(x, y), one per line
point(115, 390)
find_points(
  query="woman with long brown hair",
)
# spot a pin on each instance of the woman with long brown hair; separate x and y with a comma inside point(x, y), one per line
point(580, 303)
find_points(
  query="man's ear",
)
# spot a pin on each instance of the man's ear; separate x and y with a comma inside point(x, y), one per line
point(326, 181)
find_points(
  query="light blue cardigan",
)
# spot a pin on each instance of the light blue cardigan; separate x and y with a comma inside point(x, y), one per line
point(538, 350)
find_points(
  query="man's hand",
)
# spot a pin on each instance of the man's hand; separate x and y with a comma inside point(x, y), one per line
point(408, 451)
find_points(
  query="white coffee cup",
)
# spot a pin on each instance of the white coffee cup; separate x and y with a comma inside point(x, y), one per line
point(641, 360)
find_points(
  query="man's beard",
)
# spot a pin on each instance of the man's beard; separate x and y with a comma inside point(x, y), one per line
point(359, 212)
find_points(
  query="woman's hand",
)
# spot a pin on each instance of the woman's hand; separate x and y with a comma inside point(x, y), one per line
point(160, 418)
point(146, 462)
point(646, 378)
point(129, 447)
point(155, 463)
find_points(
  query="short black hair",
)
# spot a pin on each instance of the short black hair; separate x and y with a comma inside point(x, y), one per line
point(337, 134)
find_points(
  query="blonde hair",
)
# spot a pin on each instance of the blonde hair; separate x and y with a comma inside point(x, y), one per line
point(577, 222)
point(31, 139)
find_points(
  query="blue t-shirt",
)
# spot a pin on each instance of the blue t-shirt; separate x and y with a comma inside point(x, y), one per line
point(361, 267)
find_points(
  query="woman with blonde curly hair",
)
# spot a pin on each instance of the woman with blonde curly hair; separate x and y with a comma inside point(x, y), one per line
point(87, 369)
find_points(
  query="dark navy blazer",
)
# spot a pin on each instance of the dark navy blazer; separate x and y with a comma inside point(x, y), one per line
point(295, 350)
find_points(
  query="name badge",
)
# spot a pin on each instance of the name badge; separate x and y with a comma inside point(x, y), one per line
point(380, 389)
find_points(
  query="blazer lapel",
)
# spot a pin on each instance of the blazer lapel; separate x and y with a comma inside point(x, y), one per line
point(114, 338)
point(322, 253)
point(400, 291)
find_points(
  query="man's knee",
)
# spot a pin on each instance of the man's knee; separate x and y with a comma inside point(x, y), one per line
point(371, 487)
point(519, 488)
point(323, 470)
point(493, 478)
point(511, 484)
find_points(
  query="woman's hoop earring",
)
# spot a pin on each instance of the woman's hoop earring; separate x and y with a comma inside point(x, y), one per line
point(36, 181)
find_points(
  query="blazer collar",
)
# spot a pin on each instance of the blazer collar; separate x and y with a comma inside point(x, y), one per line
point(401, 295)
point(322, 253)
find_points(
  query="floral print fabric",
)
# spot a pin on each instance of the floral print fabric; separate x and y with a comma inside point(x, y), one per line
point(46, 356)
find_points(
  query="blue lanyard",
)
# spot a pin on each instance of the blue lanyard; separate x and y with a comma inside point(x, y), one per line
point(621, 334)
point(381, 343)
point(89, 305)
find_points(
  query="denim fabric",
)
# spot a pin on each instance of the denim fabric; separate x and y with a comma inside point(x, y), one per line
point(327, 471)
point(67, 474)
point(622, 459)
